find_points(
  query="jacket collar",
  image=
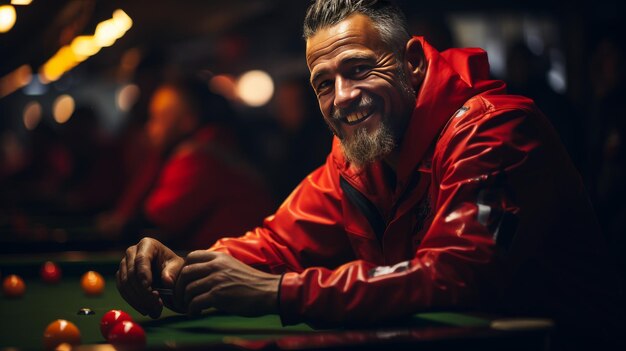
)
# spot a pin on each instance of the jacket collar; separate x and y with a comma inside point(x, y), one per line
point(452, 77)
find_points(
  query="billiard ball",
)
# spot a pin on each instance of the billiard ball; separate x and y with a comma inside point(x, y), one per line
point(50, 272)
point(92, 283)
point(110, 319)
point(13, 286)
point(127, 333)
point(60, 332)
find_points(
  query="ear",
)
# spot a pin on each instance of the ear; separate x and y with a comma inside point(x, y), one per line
point(415, 61)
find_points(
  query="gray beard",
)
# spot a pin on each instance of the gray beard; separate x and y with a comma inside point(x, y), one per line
point(364, 148)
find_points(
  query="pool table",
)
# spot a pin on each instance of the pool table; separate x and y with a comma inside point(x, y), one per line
point(24, 319)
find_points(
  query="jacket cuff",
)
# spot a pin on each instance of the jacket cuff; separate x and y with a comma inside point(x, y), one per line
point(288, 308)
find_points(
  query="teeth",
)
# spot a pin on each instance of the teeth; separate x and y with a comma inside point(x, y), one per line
point(356, 116)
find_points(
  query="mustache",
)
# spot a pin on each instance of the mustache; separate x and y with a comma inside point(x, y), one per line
point(366, 102)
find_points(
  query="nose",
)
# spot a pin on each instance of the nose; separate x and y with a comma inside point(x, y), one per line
point(345, 92)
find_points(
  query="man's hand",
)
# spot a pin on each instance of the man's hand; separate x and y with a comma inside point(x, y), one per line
point(135, 275)
point(214, 279)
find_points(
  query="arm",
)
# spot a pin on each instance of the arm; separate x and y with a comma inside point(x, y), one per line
point(457, 263)
point(306, 230)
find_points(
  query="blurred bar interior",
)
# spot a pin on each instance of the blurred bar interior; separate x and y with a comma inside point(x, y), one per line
point(99, 61)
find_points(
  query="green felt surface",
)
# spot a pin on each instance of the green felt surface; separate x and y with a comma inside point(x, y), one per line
point(25, 319)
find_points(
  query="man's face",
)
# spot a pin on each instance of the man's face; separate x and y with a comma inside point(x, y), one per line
point(362, 88)
point(168, 111)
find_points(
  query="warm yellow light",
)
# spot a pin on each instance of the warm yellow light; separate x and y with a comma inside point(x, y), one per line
point(68, 58)
point(64, 60)
point(255, 88)
point(63, 108)
point(122, 21)
point(32, 115)
point(84, 45)
point(127, 96)
point(106, 33)
point(21, 2)
point(7, 18)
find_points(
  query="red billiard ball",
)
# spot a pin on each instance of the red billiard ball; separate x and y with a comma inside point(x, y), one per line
point(60, 332)
point(92, 283)
point(127, 333)
point(50, 272)
point(110, 319)
point(13, 286)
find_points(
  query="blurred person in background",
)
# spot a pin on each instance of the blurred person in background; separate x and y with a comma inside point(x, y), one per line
point(195, 185)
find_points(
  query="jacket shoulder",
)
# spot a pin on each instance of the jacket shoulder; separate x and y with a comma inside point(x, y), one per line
point(482, 109)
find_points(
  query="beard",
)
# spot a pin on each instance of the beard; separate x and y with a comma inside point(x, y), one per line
point(366, 147)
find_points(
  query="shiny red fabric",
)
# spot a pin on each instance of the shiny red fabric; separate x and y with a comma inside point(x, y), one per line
point(487, 212)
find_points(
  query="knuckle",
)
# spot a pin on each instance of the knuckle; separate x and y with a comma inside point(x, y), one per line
point(140, 258)
point(130, 250)
point(186, 270)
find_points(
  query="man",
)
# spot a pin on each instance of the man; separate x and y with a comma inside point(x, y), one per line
point(197, 188)
point(440, 192)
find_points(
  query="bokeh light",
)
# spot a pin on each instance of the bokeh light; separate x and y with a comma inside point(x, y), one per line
point(63, 108)
point(7, 18)
point(127, 96)
point(32, 115)
point(225, 85)
point(255, 88)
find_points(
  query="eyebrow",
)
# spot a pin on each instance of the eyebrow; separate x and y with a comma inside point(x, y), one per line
point(346, 61)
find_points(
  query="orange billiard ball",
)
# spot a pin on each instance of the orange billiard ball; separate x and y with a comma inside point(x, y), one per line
point(92, 283)
point(13, 286)
point(60, 332)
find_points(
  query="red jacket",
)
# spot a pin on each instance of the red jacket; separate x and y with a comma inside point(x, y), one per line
point(487, 213)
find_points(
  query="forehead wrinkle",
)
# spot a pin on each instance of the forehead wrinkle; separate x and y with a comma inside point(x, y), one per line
point(323, 49)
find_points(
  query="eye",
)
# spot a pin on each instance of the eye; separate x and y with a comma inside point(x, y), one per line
point(323, 86)
point(360, 70)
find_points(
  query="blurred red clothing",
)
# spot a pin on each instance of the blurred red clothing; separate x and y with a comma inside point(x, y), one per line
point(200, 192)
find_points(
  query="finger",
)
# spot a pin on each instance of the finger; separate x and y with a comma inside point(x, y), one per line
point(147, 252)
point(124, 287)
point(201, 285)
point(200, 303)
point(199, 256)
point(146, 302)
point(171, 272)
point(189, 273)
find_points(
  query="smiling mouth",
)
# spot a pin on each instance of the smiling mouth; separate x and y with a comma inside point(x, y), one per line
point(358, 116)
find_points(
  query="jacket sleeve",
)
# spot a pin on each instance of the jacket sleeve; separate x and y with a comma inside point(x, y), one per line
point(306, 230)
point(456, 262)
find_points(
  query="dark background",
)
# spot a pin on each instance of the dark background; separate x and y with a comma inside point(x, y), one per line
point(568, 56)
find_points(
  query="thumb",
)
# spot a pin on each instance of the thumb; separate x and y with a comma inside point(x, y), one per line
point(170, 272)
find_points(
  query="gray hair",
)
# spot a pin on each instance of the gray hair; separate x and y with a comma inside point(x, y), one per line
point(388, 19)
